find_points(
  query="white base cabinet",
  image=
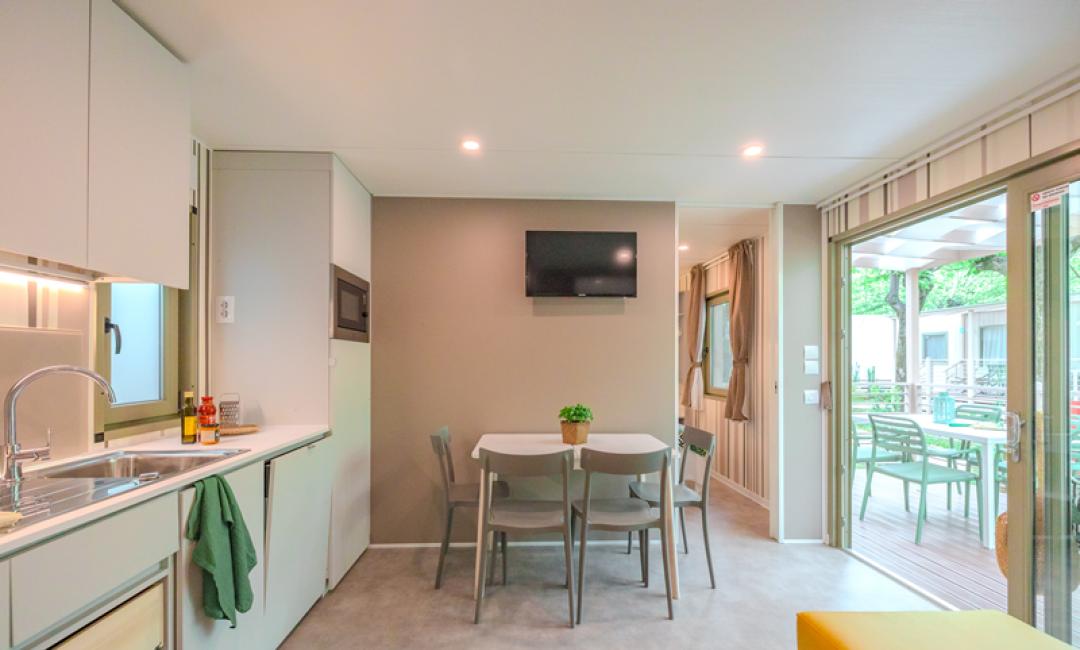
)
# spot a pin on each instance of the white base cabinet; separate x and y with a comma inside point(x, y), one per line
point(194, 630)
point(297, 536)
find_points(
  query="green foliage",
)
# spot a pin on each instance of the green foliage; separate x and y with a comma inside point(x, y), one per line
point(576, 413)
point(970, 282)
point(978, 281)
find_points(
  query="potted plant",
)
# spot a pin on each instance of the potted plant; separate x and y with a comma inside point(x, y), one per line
point(575, 423)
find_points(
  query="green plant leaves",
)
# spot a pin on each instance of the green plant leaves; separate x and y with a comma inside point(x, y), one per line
point(576, 413)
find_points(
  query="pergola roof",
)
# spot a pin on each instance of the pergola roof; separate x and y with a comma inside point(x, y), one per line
point(966, 233)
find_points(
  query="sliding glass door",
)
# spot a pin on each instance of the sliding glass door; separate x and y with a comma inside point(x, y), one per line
point(1041, 461)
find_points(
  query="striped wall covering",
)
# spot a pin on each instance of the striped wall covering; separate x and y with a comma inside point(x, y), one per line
point(741, 447)
point(1008, 141)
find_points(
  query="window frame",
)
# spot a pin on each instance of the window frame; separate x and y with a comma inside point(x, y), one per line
point(706, 357)
point(122, 417)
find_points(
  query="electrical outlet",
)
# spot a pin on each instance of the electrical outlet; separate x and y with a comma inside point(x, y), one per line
point(225, 309)
point(810, 397)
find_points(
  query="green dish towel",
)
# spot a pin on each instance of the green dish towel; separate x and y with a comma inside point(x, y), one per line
point(223, 549)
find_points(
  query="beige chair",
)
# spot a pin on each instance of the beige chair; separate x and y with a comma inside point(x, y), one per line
point(625, 514)
point(527, 516)
point(456, 495)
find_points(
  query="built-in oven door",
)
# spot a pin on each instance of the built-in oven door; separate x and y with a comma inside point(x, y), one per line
point(351, 306)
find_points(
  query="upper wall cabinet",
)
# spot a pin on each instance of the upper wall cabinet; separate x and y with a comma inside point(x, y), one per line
point(95, 149)
point(140, 152)
point(44, 58)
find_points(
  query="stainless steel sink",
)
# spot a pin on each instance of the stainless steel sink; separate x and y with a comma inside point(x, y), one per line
point(50, 492)
point(143, 466)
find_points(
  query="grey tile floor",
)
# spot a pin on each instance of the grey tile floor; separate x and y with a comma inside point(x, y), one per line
point(387, 599)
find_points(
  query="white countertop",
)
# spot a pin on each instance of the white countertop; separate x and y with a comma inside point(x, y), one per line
point(268, 442)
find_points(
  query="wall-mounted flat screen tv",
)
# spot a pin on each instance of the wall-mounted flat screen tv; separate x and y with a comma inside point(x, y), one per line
point(580, 264)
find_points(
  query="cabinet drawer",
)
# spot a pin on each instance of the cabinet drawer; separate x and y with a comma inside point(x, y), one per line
point(57, 579)
point(138, 624)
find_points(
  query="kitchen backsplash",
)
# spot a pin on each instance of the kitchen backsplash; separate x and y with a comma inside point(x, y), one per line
point(45, 322)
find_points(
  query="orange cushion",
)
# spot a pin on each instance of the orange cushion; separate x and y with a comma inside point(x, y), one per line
point(982, 630)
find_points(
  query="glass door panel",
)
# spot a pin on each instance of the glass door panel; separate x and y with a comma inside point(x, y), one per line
point(1042, 467)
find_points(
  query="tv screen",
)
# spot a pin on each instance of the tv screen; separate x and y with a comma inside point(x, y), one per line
point(564, 263)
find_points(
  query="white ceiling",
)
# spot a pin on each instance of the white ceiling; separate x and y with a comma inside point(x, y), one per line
point(629, 99)
point(708, 232)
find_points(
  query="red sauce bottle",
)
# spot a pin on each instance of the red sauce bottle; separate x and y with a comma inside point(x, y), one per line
point(209, 431)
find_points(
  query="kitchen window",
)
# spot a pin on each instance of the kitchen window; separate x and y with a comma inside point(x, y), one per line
point(717, 359)
point(147, 349)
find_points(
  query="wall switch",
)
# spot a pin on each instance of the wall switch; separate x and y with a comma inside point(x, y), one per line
point(811, 367)
point(811, 353)
point(810, 396)
point(225, 309)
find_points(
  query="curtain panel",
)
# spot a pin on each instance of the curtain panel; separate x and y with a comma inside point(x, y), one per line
point(741, 259)
point(694, 386)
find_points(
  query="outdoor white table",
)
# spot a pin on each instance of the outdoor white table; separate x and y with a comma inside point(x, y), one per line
point(546, 443)
point(984, 439)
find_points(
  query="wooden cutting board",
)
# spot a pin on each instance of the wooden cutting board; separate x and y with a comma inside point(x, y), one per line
point(239, 429)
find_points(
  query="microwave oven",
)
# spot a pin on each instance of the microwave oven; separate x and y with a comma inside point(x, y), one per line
point(350, 306)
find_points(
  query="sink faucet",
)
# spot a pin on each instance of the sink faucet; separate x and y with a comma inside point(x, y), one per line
point(11, 470)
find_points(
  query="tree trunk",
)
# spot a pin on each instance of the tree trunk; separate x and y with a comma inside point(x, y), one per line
point(900, 309)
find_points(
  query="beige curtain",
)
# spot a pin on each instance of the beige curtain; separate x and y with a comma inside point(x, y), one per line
point(741, 258)
point(694, 386)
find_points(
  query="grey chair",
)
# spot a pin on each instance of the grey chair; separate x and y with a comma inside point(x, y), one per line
point(455, 495)
point(626, 514)
point(527, 516)
point(682, 494)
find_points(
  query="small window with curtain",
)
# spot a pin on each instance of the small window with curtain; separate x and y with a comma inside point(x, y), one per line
point(717, 360)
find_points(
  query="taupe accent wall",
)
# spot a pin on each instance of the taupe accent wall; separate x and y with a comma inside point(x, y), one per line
point(460, 344)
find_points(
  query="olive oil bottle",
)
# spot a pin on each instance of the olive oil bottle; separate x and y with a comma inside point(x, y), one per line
point(189, 420)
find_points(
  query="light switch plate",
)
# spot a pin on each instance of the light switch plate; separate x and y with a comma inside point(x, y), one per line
point(810, 396)
point(811, 353)
point(225, 309)
point(811, 367)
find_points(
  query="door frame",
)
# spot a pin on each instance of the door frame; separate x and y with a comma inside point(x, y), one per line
point(1020, 391)
point(838, 315)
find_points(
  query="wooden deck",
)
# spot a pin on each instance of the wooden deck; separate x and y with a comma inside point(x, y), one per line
point(950, 563)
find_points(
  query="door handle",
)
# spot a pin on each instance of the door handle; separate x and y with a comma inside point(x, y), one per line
point(1013, 424)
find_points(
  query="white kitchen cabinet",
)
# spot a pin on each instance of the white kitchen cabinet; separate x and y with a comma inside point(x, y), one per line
point(5, 605)
point(139, 153)
point(194, 630)
point(44, 57)
point(297, 534)
point(59, 580)
point(309, 212)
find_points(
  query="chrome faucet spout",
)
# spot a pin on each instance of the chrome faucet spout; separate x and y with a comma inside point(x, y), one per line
point(9, 469)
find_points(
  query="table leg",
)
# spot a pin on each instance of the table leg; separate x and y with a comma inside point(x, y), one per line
point(481, 545)
point(669, 518)
point(988, 487)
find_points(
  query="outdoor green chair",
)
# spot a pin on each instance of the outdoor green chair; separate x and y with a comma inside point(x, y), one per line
point(903, 436)
point(861, 452)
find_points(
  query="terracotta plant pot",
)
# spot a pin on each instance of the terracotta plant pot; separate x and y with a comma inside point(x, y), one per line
point(575, 433)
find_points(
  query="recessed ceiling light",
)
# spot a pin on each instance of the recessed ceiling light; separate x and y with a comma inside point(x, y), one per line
point(470, 144)
point(684, 247)
point(753, 150)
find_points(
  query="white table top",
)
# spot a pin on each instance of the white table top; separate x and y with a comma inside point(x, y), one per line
point(547, 443)
point(926, 421)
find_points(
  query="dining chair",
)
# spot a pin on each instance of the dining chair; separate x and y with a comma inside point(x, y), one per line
point(626, 514)
point(861, 452)
point(456, 495)
point(683, 495)
point(527, 515)
point(905, 437)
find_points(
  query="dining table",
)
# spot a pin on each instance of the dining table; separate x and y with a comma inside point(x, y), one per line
point(546, 443)
point(984, 438)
